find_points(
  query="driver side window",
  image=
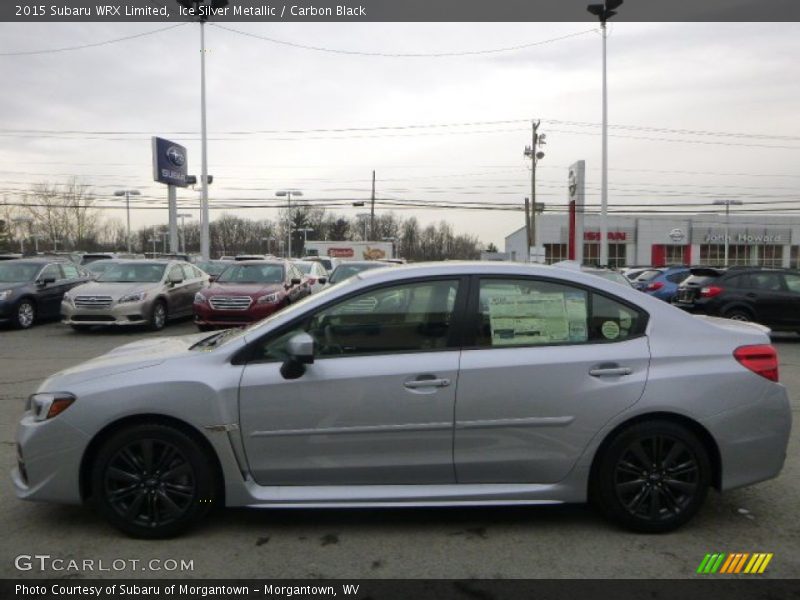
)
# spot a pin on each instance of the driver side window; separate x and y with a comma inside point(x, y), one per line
point(412, 317)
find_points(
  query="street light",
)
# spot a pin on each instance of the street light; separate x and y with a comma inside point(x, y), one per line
point(727, 204)
point(269, 241)
point(128, 194)
point(202, 17)
point(364, 216)
point(183, 216)
point(305, 231)
point(22, 220)
point(55, 245)
point(604, 12)
point(288, 194)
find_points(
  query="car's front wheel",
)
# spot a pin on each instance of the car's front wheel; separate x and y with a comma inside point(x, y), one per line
point(25, 315)
point(153, 480)
point(158, 316)
point(652, 477)
point(738, 314)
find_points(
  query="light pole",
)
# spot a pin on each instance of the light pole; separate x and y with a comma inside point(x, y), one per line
point(153, 241)
point(604, 12)
point(366, 217)
point(727, 204)
point(183, 216)
point(288, 194)
point(55, 245)
point(202, 17)
point(22, 221)
point(269, 241)
point(128, 194)
point(305, 231)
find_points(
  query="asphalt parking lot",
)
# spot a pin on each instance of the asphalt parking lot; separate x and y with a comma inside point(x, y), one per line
point(543, 542)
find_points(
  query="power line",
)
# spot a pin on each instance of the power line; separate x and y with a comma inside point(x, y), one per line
point(401, 54)
point(92, 45)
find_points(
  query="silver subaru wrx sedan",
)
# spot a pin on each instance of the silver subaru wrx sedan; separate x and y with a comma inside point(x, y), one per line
point(420, 385)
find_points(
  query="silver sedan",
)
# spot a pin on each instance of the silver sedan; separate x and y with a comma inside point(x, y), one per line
point(436, 384)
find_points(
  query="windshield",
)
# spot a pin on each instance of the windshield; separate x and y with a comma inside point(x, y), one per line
point(211, 268)
point(343, 272)
point(133, 273)
point(304, 267)
point(98, 266)
point(16, 272)
point(265, 273)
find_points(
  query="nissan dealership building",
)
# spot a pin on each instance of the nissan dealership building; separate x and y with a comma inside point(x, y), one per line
point(660, 240)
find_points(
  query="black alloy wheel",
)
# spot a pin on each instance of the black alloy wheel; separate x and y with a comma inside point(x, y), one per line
point(653, 478)
point(153, 480)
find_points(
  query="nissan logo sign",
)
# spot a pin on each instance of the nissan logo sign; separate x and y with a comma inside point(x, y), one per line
point(175, 156)
point(677, 235)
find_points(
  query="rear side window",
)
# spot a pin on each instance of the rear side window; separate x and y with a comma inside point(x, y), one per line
point(677, 277)
point(741, 282)
point(792, 282)
point(70, 271)
point(531, 313)
point(770, 282)
point(648, 275)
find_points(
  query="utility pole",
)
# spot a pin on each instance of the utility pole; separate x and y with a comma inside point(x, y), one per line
point(372, 209)
point(535, 155)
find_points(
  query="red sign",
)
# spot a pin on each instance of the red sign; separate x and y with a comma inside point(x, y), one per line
point(594, 236)
point(341, 252)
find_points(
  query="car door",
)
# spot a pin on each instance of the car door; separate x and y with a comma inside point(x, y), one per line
point(768, 297)
point(195, 281)
point(178, 301)
point(544, 367)
point(48, 297)
point(375, 407)
point(790, 309)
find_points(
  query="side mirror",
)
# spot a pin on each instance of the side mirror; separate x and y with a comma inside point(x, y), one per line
point(323, 280)
point(46, 281)
point(212, 278)
point(296, 281)
point(300, 349)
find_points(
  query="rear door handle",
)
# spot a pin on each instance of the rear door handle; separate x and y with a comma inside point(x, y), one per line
point(610, 371)
point(426, 383)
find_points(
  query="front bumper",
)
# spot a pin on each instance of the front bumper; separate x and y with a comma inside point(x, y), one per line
point(48, 460)
point(206, 316)
point(129, 313)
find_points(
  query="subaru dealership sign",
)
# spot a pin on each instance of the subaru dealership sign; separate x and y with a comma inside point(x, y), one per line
point(169, 162)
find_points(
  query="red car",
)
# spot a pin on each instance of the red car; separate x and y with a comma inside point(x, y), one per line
point(248, 291)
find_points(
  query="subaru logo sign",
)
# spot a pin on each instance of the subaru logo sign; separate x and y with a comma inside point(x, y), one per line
point(170, 162)
point(175, 156)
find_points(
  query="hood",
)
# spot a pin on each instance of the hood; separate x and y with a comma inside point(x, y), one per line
point(248, 289)
point(129, 357)
point(115, 290)
point(13, 285)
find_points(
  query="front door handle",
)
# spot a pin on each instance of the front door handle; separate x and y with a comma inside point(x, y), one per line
point(426, 383)
point(615, 371)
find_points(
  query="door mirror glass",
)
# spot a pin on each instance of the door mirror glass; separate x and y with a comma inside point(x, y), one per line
point(47, 280)
point(323, 280)
point(295, 281)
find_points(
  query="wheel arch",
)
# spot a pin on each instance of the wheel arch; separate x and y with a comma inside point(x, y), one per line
point(701, 432)
point(728, 308)
point(97, 441)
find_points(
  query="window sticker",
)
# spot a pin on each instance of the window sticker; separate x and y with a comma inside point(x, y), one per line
point(577, 315)
point(610, 330)
point(531, 319)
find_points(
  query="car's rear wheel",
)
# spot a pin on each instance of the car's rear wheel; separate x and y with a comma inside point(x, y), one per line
point(25, 315)
point(652, 477)
point(158, 316)
point(738, 314)
point(152, 480)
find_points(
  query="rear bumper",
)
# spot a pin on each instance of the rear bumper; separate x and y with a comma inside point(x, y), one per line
point(753, 439)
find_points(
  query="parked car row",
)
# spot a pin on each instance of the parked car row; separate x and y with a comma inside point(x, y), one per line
point(120, 292)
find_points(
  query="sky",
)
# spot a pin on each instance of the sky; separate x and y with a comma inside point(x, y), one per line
point(697, 112)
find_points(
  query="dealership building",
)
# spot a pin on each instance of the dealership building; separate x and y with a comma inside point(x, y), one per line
point(660, 240)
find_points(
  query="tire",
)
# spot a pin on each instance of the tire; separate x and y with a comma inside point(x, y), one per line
point(630, 492)
point(25, 314)
point(738, 314)
point(156, 500)
point(158, 316)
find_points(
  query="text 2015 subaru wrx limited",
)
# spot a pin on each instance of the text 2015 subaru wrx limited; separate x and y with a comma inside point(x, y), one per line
point(435, 384)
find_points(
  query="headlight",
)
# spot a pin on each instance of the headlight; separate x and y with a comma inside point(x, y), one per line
point(268, 299)
point(46, 406)
point(5, 295)
point(68, 299)
point(137, 297)
point(199, 298)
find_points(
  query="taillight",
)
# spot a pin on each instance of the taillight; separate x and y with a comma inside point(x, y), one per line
point(761, 360)
point(652, 287)
point(710, 291)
